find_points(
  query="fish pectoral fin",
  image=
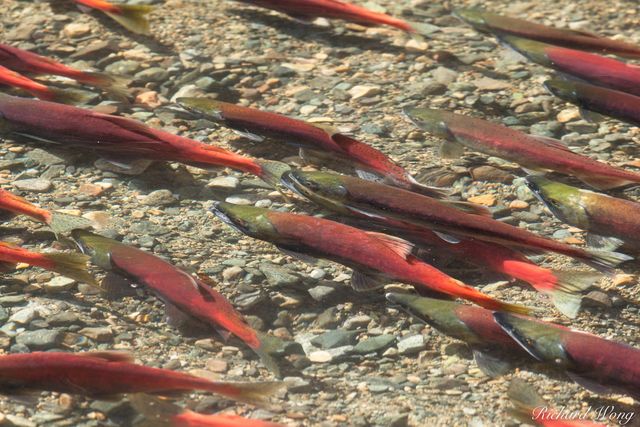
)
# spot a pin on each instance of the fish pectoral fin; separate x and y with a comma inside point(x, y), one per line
point(400, 246)
point(552, 142)
point(302, 257)
point(451, 150)
point(364, 282)
point(490, 365)
point(604, 243)
point(591, 116)
point(116, 286)
point(447, 237)
point(184, 322)
point(590, 384)
point(535, 172)
point(469, 207)
point(225, 334)
point(250, 136)
point(110, 356)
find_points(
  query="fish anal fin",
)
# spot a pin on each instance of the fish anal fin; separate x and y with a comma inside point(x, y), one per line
point(364, 282)
point(591, 116)
point(589, 384)
point(110, 356)
point(400, 246)
point(491, 366)
point(451, 150)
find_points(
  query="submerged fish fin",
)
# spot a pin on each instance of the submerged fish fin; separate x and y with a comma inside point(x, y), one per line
point(364, 282)
point(552, 142)
point(69, 96)
point(225, 334)
point(451, 150)
point(490, 365)
point(590, 384)
point(302, 257)
point(364, 212)
point(605, 182)
point(271, 172)
point(248, 135)
point(427, 190)
point(591, 116)
point(126, 164)
point(7, 267)
point(470, 208)
point(270, 346)
point(132, 17)
point(72, 265)
point(525, 400)
point(605, 261)
point(110, 356)
point(253, 393)
point(35, 138)
point(180, 320)
point(447, 237)
point(117, 86)
point(62, 223)
point(400, 246)
point(597, 241)
point(368, 176)
point(565, 294)
point(534, 172)
point(157, 411)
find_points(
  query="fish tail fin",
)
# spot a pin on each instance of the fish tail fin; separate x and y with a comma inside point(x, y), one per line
point(271, 172)
point(62, 223)
point(116, 86)
point(133, 18)
point(157, 411)
point(484, 300)
point(254, 393)
point(566, 292)
point(269, 345)
point(604, 261)
point(72, 265)
point(70, 97)
point(524, 399)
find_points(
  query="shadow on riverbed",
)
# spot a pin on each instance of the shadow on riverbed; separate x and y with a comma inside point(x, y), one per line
point(313, 33)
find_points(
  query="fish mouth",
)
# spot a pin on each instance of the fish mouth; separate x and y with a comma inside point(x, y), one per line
point(222, 216)
point(289, 181)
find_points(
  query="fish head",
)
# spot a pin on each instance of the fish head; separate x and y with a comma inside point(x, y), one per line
point(563, 89)
point(326, 189)
point(248, 220)
point(432, 120)
point(474, 17)
point(531, 49)
point(561, 199)
point(542, 340)
point(203, 107)
point(94, 245)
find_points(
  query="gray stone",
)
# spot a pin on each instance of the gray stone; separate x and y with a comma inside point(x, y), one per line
point(445, 76)
point(99, 334)
point(224, 182)
point(374, 344)
point(321, 293)
point(153, 74)
point(59, 284)
point(278, 276)
point(159, 198)
point(43, 157)
point(124, 67)
point(35, 185)
point(357, 322)
point(40, 339)
point(335, 338)
point(24, 316)
point(412, 344)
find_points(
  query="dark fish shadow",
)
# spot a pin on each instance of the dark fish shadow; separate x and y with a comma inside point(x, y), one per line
point(314, 34)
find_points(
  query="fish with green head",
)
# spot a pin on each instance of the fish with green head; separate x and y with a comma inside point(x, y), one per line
point(375, 258)
point(473, 325)
point(596, 99)
point(333, 147)
point(184, 295)
point(596, 363)
point(599, 214)
point(564, 288)
point(531, 152)
point(595, 69)
point(500, 25)
point(382, 202)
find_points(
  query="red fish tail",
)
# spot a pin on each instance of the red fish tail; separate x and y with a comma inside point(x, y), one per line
point(18, 205)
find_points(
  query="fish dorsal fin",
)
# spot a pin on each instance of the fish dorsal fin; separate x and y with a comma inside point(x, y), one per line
point(552, 142)
point(110, 356)
point(330, 130)
point(400, 246)
point(128, 124)
point(451, 150)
